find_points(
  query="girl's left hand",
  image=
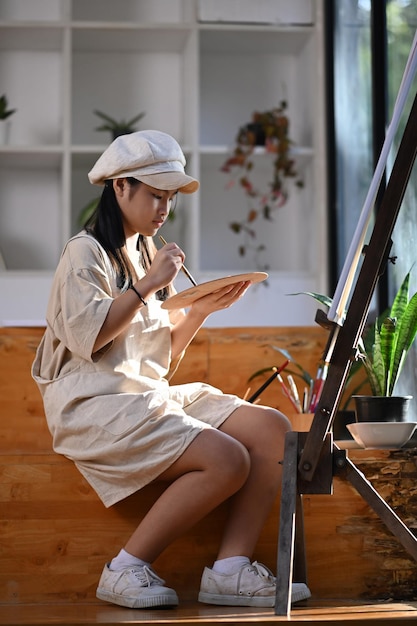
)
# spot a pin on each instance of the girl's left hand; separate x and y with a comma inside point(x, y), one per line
point(221, 299)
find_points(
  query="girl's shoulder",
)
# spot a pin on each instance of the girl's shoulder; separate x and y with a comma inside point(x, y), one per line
point(81, 240)
point(83, 250)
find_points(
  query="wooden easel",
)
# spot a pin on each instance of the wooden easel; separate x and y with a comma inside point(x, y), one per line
point(312, 459)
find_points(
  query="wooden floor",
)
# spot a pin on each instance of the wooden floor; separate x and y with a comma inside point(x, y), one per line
point(337, 612)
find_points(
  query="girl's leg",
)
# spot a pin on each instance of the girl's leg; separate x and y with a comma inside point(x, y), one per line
point(213, 468)
point(242, 458)
point(262, 431)
point(234, 580)
point(240, 462)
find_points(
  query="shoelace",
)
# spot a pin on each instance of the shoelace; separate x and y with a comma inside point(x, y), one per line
point(263, 571)
point(147, 577)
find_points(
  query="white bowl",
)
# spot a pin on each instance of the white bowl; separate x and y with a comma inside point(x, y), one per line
point(382, 434)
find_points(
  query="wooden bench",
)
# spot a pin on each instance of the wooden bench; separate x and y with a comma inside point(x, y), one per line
point(55, 534)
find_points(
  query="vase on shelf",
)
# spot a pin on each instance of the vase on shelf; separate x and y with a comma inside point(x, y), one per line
point(4, 132)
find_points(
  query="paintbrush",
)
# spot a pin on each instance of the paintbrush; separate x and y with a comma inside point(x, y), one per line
point(277, 371)
point(184, 269)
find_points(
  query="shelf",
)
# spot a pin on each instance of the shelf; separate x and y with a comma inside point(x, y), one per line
point(298, 152)
point(254, 68)
point(36, 157)
point(129, 38)
point(31, 37)
point(264, 12)
point(145, 11)
point(63, 59)
point(31, 11)
point(30, 217)
point(253, 39)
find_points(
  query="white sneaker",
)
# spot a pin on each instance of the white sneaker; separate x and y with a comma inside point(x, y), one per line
point(299, 592)
point(137, 587)
point(252, 585)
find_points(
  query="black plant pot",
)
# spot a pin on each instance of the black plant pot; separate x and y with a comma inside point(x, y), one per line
point(118, 133)
point(342, 418)
point(258, 133)
point(381, 408)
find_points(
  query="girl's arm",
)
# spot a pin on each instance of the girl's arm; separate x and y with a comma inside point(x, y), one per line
point(165, 266)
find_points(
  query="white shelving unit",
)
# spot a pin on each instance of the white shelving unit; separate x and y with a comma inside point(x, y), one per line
point(197, 80)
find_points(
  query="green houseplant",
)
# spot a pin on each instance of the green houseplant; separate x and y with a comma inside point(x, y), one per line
point(5, 112)
point(269, 130)
point(382, 351)
point(115, 127)
point(391, 339)
point(385, 344)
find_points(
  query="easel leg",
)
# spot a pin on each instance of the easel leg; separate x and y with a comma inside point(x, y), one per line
point(350, 472)
point(300, 560)
point(286, 538)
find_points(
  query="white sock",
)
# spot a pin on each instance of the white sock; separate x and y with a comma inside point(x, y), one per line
point(230, 565)
point(124, 560)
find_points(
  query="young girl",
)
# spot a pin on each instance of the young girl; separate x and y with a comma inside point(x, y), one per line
point(103, 368)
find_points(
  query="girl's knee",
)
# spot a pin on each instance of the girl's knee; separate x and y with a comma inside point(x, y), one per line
point(281, 421)
point(277, 424)
point(268, 429)
point(236, 462)
point(272, 421)
point(222, 454)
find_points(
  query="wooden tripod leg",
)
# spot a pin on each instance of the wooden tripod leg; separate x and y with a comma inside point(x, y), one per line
point(300, 560)
point(286, 538)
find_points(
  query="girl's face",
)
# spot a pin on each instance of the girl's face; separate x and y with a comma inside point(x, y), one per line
point(144, 209)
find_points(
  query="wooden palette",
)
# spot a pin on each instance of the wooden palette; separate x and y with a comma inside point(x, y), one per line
point(187, 297)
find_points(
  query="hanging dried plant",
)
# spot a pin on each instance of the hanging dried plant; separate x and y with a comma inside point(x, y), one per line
point(269, 129)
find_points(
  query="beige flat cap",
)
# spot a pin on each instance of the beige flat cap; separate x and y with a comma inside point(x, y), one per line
point(151, 156)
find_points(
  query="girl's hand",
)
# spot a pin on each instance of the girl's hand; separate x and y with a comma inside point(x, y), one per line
point(166, 264)
point(185, 330)
point(220, 299)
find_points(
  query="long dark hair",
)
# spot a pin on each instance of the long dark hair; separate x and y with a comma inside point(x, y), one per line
point(106, 225)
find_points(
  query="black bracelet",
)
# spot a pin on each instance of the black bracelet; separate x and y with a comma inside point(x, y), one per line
point(138, 295)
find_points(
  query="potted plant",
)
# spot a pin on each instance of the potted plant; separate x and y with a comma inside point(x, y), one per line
point(5, 113)
point(383, 353)
point(117, 128)
point(269, 130)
